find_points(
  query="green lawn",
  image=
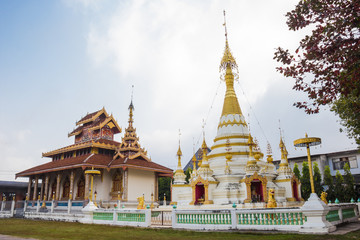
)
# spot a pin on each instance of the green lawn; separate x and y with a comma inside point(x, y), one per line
point(63, 230)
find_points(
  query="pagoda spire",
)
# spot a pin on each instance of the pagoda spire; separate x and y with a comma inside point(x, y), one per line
point(284, 169)
point(179, 154)
point(179, 176)
point(131, 108)
point(130, 146)
point(227, 66)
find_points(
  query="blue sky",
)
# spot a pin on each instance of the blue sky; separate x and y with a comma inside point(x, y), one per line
point(62, 59)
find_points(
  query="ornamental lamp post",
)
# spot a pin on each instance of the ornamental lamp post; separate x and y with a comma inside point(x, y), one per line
point(308, 142)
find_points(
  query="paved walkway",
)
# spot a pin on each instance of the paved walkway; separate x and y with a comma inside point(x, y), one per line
point(344, 229)
point(6, 237)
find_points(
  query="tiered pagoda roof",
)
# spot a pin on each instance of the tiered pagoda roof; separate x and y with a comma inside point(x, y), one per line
point(130, 147)
point(90, 126)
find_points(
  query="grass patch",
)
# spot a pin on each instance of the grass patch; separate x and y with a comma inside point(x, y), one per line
point(78, 231)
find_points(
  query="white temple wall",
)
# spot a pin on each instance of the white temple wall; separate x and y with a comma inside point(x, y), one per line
point(182, 194)
point(140, 182)
point(102, 185)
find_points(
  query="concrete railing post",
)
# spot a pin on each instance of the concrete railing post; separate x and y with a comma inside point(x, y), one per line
point(52, 206)
point(233, 218)
point(12, 208)
point(25, 205)
point(37, 206)
point(69, 206)
point(114, 216)
point(173, 218)
point(340, 212)
point(148, 217)
point(2, 206)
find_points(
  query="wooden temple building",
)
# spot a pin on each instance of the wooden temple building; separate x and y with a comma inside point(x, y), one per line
point(126, 172)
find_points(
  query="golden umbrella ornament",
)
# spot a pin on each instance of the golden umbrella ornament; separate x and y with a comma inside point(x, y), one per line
point(308, 142)
point(92, 172)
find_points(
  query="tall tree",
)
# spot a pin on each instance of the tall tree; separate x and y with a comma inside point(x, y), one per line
point(349, 184)
point(188, 174)
point(329, 182)
point(297, 171)
point(326, 64)
point(164, 188)
point(339, 188)
point(305, 181)
point(317, 179)
point(348, 109)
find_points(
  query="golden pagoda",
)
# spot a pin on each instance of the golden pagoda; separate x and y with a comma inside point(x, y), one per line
point(234, 171)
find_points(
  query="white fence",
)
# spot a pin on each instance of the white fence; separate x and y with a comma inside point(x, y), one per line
point(309, 218)
point(240, 219)
point(119, 217)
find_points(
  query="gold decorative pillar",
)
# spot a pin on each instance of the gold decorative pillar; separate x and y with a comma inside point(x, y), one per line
point(35, 187)
point(71, 194)
point(265, 195)
point(29, 189)
point(248, 192)
point(46, 187)
point(86, 195)
point(57, 194)
point(207, 201)
point(307, 142)
point(193, 194)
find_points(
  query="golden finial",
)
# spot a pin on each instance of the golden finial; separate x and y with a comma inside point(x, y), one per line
point(194, 158)
point(179, 153)
point(228, 60)
point(225, 25)
point(269, 153)
point(204, 146)
point(251, 144)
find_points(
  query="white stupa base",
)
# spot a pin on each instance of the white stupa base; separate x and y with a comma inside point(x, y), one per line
point(315, 210)
point(90, 207)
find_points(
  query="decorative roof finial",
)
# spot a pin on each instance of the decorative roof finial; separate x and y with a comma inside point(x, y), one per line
point(225, 26)
point(179, 153)
point(131, 106)
point(228, 61)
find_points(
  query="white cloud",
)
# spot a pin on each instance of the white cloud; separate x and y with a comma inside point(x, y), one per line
point(172, 50)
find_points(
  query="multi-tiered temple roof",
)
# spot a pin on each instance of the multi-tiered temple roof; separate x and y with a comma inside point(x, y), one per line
point(95, 147)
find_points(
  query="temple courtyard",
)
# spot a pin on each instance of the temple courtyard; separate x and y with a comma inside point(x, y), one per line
point(25, 229)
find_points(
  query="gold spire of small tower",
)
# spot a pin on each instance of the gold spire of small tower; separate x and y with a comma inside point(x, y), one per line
point(179, 176)
point(269, 153)
point(284, 168)
point(284, 153)
point(179, 154)
point(227, 66)
point(204, 169)
point(251, 164)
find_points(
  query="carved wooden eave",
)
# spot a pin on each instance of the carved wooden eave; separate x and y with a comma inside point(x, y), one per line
point(80, 146)
point(102, 111)
point(107, 121)
point(199, 180)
